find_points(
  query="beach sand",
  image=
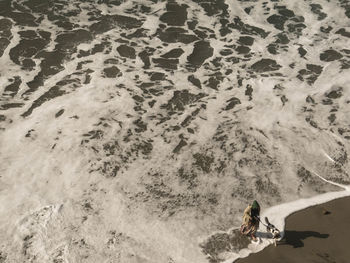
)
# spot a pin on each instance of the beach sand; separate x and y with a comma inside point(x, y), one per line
point(318, 234)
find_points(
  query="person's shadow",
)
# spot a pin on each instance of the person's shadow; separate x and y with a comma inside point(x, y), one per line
point(295, 238)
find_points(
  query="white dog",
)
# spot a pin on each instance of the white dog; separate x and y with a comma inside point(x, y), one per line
point(276, 234)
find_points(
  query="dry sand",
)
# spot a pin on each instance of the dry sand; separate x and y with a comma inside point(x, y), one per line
point(319, 234)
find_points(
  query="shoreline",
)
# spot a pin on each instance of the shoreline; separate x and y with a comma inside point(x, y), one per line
point(318, 232)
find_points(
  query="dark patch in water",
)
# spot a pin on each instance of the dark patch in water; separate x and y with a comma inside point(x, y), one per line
point(141, 126)
point(311, 122)
point(213, 82)
point(190, 178)
point(166, 63)
point(189, 118)
point(98, 48)
point(218, 7)
point(4, 42)
point(330, 55)
point(109, 169)
point(144, 56)
point(176, 15)
point(27, 244)
point(28, 64)
point(59, 113)
point(335, 94)
point(249, 91)
point(302, 51)
point(13, 88)
point(5, 7)
point(226, 52)
point(70, 40)
point(247, 29)
point(5, 34)
point(23, 19)
point(286, 12)
point(242, 50)
point(232, 103)
point(314, 68)
point(265, 65)
point(203, 161)
point(126, 51)
point(310, 74)
point(52, 61)
point(317, 9)
point(27, 48)
point(296, 28)
point(178, 147)
point(11, 105)
point(109, 22)
point(175, 35)
point(174, 53)
point(282, 38)
point(194, 81)
point(345, 64)
point(200, 34)
point(332, 118)
point(272, 48)
point(94, 135)
point(246, 40)
point(58, 90)
point(138, 99)
point(138, 33)
point(280, 43)
point(112, 72)
point(224, 30)
point(343, 32)
point(326, 29)
point(345, 6)
point(30, 34)
point(277, 21)
point(327, 102)
point(284, 99)
point(38, 6)
point(157, 76)
point(248, 9)
point(3, 257)
point(180, 99)
point(202, 51)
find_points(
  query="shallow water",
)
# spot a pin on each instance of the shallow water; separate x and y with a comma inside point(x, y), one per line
point(136, 131)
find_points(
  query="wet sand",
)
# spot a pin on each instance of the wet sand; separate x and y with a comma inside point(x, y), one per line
point(317, 234)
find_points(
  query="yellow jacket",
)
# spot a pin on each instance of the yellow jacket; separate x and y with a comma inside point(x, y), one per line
point(247, 215)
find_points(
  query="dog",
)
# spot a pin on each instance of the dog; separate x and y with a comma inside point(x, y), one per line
point(276, 234)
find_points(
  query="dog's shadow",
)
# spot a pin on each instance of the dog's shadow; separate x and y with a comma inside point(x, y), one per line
point(291, 237)
point(295, 238)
